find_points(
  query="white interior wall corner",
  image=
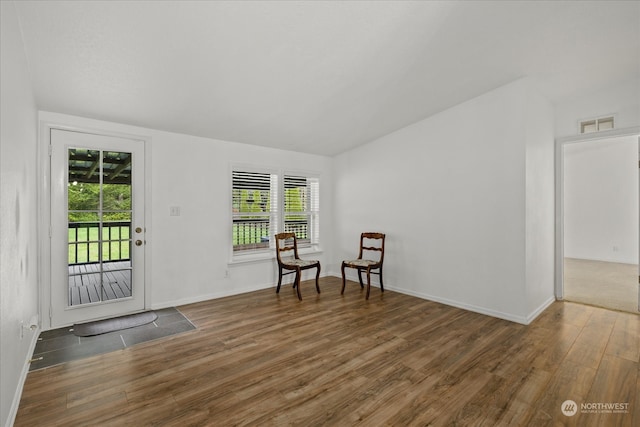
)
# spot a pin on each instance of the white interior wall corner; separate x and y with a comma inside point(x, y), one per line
point(540, 201)
point(450, 191)
point(18, 214)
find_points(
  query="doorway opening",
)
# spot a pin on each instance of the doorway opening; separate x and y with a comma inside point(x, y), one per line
point(600, 222)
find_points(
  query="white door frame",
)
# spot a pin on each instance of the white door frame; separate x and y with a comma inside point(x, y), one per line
point(44, 205)
point(560, 143)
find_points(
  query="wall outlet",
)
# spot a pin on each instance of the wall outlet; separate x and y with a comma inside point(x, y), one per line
point(616, 249)
point(174, 210)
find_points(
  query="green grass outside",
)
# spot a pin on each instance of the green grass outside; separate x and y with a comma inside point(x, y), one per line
point(251, 235)
point(248, 234)
point(87, 238)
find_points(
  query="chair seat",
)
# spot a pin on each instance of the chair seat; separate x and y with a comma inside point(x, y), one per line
point(286, 243)
point(299, 262)
point(360, 262)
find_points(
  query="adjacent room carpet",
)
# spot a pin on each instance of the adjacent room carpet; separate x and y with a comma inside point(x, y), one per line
point(603, 284)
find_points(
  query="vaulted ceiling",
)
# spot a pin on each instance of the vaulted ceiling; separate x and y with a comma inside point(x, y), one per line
point(313, 76)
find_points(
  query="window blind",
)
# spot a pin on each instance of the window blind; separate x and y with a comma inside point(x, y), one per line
point(254, 204)
point(265, 203)
point(302, 208)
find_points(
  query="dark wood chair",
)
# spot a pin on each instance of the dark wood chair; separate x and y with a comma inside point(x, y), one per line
point(288, 259)
point(364, 263)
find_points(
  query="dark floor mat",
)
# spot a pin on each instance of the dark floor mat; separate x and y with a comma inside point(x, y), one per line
point(100, 327)
point(58, 346)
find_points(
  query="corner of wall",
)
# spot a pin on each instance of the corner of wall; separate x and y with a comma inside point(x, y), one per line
point(18, 205)
point(539, 200)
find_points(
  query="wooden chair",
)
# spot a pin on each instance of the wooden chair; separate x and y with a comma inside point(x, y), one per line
point(366, 264)
point(287, 243)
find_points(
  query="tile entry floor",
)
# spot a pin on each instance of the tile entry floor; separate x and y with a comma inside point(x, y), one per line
point(61, 345)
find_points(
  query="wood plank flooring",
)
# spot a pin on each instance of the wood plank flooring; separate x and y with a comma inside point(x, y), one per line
point(395, 360)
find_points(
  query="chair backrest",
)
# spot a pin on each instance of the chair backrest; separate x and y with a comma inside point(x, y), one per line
point(367, 245)
point(286, 242)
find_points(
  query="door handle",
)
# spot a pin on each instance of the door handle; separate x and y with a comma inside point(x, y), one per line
point(138, 242)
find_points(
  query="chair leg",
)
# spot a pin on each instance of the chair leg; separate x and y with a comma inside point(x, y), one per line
point(343, 280)
point(317, 278)
point(368, 282)
point(279, 280)
point(297, 283)
point(381, 285)
point(360, 278)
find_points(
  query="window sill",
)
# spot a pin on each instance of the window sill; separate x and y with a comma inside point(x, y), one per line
point(268, 255)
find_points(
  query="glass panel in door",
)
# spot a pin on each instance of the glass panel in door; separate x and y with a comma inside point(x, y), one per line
point(99, 206)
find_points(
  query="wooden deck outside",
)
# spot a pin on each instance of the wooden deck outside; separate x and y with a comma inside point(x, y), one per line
point(84, 282)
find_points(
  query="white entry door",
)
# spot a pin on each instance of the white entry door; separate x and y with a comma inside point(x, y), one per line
point(97, 227)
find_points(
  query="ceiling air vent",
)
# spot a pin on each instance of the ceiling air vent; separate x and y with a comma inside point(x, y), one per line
point(596, 125)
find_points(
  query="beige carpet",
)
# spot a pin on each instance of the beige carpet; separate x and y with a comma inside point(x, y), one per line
point(605, 284)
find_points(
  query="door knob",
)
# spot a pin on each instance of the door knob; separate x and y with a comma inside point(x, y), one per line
point(138, 242)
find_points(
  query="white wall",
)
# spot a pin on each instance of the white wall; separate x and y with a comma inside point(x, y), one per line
point(601, 200)
point(189, 255)
point(621, 99)
point(540, 204)
point(18, 242)
point(451, 194)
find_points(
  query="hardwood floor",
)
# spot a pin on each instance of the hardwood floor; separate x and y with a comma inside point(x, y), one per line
point(267, 359)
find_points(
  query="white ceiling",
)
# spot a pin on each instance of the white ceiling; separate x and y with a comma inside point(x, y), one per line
point(317, 77)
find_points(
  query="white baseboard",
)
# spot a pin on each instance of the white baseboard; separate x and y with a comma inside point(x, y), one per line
point(206, 297)
point(469, 307)
point(538, 311)
point(226, 293)
point(23, 377)
point(524, 320)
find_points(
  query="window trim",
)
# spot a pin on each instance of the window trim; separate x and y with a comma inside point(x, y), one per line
point(313, 216)
point(261, 254)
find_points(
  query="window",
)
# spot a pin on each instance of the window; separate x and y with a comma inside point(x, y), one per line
point(302, 208)
point(596, 125)
point(259, 212)
point(254, 204)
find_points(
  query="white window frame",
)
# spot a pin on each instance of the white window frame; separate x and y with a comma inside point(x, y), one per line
point(271, 214)
point(277, 212)
point(311, 210)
